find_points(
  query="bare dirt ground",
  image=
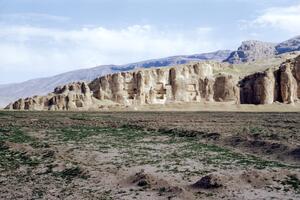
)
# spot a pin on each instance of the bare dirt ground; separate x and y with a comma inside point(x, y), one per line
point(149, 155)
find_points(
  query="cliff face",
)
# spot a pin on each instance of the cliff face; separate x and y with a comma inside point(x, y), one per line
point(282, 85)
point(184, 83)
point(42, 86)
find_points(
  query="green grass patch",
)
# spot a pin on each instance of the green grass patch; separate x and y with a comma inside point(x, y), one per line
point(15, 135)
point(11, 159)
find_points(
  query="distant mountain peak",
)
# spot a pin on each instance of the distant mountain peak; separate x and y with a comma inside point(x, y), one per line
point(292, 44)
point(252, 50)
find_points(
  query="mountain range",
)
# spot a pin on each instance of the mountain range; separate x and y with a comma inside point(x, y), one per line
point(249, 51)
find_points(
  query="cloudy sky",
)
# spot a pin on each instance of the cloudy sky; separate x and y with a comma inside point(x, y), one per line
point(44, 37)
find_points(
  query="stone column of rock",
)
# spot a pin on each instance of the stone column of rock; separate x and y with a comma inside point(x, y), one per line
point(150, 87)
point(140, 82)
point(117, 88)
point(105, 91)
point(207, 90)
point(268, 90)
point(172, 80)
point(177, 81)
point(296, 72)
point(288, 84)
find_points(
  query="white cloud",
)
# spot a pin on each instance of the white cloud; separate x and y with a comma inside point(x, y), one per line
point(282, 18)
point(46, 51)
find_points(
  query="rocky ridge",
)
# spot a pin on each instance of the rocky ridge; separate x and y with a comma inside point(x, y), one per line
point(253, 50)
point(292, 44)
point(193, 82)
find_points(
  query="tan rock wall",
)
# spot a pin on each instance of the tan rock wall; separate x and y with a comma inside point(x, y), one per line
point(185, 83)
point(155, 86)
point(272, 85)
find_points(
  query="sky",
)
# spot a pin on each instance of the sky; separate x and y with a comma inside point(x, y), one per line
point(40, 38)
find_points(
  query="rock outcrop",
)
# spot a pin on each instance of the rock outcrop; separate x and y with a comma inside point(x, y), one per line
point(252, 50)
point(272, 85)
point(42, 86)
point(259, 88)
point(74, 96)
point(184, 83)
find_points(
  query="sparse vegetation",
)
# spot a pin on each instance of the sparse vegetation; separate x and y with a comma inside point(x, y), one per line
point(100, 147)
point(293, 182)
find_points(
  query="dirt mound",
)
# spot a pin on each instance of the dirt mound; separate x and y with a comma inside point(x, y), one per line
point(208, 182)
point(146, 180)
point(151, 183)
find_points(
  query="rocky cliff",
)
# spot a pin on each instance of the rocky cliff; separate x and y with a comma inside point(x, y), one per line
point(42, 86)
point(184, 83)
point(281, 84)
point(73, 96)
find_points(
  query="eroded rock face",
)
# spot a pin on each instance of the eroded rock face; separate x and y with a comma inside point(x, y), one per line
point(258, 88)
point(226, 89)
point(272, 85)
point(74, 96)
point(288, 84)
point(185, 83)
